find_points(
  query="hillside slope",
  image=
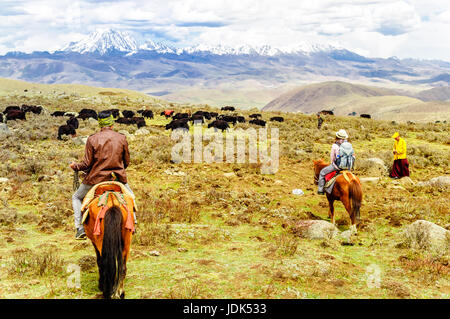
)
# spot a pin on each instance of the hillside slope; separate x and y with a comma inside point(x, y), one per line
point(345, 98)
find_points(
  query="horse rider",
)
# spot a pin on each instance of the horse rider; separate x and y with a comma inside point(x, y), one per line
point(106, 156)
point(341, 137)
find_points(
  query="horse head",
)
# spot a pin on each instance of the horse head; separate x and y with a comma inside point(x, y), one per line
point(318, 165)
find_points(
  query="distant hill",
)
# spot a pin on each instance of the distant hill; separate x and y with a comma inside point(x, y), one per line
point(345, 98)
point(435, 94)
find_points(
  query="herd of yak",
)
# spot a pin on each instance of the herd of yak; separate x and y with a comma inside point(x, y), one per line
point(128, 117)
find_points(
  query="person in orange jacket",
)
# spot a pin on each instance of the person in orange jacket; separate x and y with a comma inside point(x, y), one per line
point(400, 168)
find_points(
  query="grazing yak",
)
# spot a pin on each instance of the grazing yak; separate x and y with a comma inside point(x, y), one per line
point(66, 130)
point(228, 118)
point(178, 124)
point(258, 122)
point(128, 114)
point(205, 114)
point(11, 108)
point(214, 114)
point(240, 119)
point(147, 114)
point(58, 113)
point(197, 118)
point(366, 116)
point(180, 116)
point(73, 121)
point(87, 113)
point(228, 108)
point(139, 121)
point(277, 119)
point(13, 115)
point(219, 124)
point(31, 108)
point(254, 116)
point(325, 112)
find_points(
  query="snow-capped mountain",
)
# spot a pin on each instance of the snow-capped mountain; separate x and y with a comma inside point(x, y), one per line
point(108, 40)
point(104, 41)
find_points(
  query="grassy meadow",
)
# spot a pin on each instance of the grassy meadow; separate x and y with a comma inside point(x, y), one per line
point(221, 230)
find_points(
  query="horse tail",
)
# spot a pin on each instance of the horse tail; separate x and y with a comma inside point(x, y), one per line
point(112, 261)
point(355, 195)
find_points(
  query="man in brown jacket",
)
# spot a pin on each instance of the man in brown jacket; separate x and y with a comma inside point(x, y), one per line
point(106, 157)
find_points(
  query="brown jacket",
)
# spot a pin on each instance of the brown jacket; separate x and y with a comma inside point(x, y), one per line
point(106, 152)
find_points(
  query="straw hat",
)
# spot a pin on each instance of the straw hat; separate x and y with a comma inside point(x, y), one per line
point(342, 134)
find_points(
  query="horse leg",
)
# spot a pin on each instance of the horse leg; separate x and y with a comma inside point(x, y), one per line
point(348, 208)
point(331, 211)
point(100, 269)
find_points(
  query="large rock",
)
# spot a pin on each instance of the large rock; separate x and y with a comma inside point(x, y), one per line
point(438, 182)
point(377, 167)
point(315, 229)
point(425, 235)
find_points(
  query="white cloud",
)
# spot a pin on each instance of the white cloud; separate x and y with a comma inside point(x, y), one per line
point(375, 27)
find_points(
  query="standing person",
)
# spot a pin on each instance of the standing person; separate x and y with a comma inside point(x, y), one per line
point(400, 168)
point(106, 155)
point(319, 121)
point(341, 137)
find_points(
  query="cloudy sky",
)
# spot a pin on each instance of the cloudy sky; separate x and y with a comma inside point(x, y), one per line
point(374, 28)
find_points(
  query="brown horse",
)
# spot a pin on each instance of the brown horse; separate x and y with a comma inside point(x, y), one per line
point(347, 189)
point(109, 225)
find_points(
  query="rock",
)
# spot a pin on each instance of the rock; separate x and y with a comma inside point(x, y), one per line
point(345, 236)
point(129, 136)
point(141, 131)
point(297, 191)
point(278, 182)
point(425, 235)
point(3, 180)
point(154, 253)
point(439, 182)
point(315, 229)
point(4, 129)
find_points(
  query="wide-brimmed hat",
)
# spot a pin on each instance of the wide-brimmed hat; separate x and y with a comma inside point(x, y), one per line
point(395, 135)
point(342, 134)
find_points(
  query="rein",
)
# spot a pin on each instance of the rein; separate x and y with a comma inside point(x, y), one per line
point(76, 181)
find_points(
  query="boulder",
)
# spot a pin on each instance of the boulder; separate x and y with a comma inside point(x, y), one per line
point(438, 182)
point(425, 235)
point(315, 229)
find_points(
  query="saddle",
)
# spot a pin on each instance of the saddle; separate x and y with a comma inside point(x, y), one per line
point(105, 195)
point(330, 178)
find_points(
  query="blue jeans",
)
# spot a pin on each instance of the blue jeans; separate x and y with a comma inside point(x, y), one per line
point(77, 200)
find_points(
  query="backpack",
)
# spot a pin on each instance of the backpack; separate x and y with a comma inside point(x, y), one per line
point(345, 159)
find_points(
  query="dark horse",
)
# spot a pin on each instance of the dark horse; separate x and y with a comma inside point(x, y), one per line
point(347, 189)
point(109, 226)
